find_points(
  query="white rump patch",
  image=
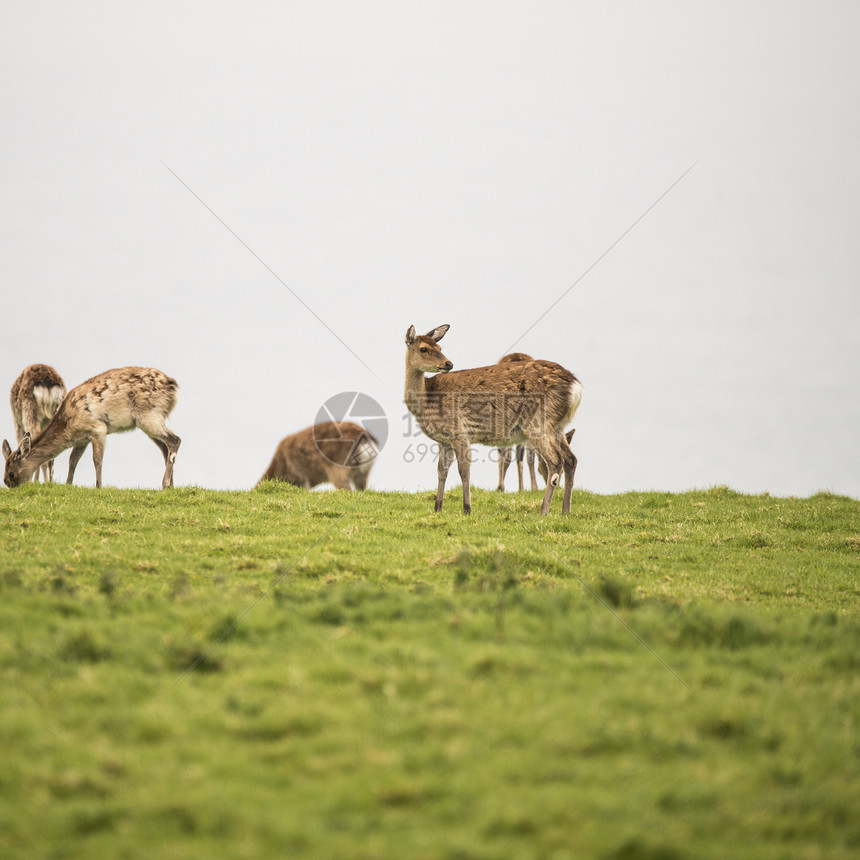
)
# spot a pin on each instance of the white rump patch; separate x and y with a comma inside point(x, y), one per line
point(48, 399)
point(575, 400)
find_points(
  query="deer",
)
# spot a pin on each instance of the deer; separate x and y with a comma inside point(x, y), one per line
point(523, 451)
point(35, 397)
point(500, 405)
point(112, 402)
point(335, 452)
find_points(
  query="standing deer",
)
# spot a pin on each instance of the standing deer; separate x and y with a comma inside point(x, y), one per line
point(336, 452)
point(523, 451)
point(35, 397)
point(500, 405)
point(112, 402)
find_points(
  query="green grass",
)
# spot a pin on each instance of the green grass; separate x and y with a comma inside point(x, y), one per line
point(289, 674)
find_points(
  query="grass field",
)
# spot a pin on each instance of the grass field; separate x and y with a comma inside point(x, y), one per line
point(279, 673)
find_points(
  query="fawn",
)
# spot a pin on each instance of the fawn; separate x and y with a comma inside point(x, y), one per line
point(112, 402)
point(35, 397)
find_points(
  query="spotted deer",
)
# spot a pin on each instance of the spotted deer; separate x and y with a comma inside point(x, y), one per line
point(335, 452)
point(35, 397)
point(523, 451)
point(500, 405)
point(112, 402)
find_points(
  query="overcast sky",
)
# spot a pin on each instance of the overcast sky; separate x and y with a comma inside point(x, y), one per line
point(390, 163)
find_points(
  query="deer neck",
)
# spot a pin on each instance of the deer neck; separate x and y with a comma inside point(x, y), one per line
point(415, 389)
point(53, 440)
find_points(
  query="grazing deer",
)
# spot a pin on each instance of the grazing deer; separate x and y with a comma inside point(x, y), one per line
point(35, 397)
point(542, 466)
point(336, 452)
point(112, 402)
point(523, 451)
point(500, 405)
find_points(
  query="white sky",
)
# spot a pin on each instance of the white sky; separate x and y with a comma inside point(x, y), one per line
point(453, 162)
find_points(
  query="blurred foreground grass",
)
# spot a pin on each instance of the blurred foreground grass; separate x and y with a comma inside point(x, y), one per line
point(281, 673)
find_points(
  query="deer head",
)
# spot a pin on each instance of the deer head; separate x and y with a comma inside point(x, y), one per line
point(15, 473)
point(423, 353)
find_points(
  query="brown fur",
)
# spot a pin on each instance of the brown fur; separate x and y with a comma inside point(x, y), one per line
point(335, 452)
point(112, 402)
point(523, 450)
point(499, 405)
point(542, 469)
point(35, 398)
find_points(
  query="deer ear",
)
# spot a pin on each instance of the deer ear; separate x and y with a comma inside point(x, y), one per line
point(7, 450)
point(410, 335)
point(438, 333)
point(25, 445)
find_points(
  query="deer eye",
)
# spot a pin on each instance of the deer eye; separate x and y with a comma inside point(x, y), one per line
point(423, 349)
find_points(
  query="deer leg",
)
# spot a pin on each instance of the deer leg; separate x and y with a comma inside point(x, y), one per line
point(530, 453)
point(74, 458)
point(446, 457)
point(48, 470)
point(521, 450)
point(548, 449)
point(167, 480)
point(542, 469)
point(569, 462)
point(98, 443)
point(166, 441)
point(171, 442)
point(464, 467)
point(505, 455)
point(569, 469)
point(547, 496)
point(340, 478)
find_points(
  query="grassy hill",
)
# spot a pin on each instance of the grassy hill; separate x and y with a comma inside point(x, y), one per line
point(289, 674)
